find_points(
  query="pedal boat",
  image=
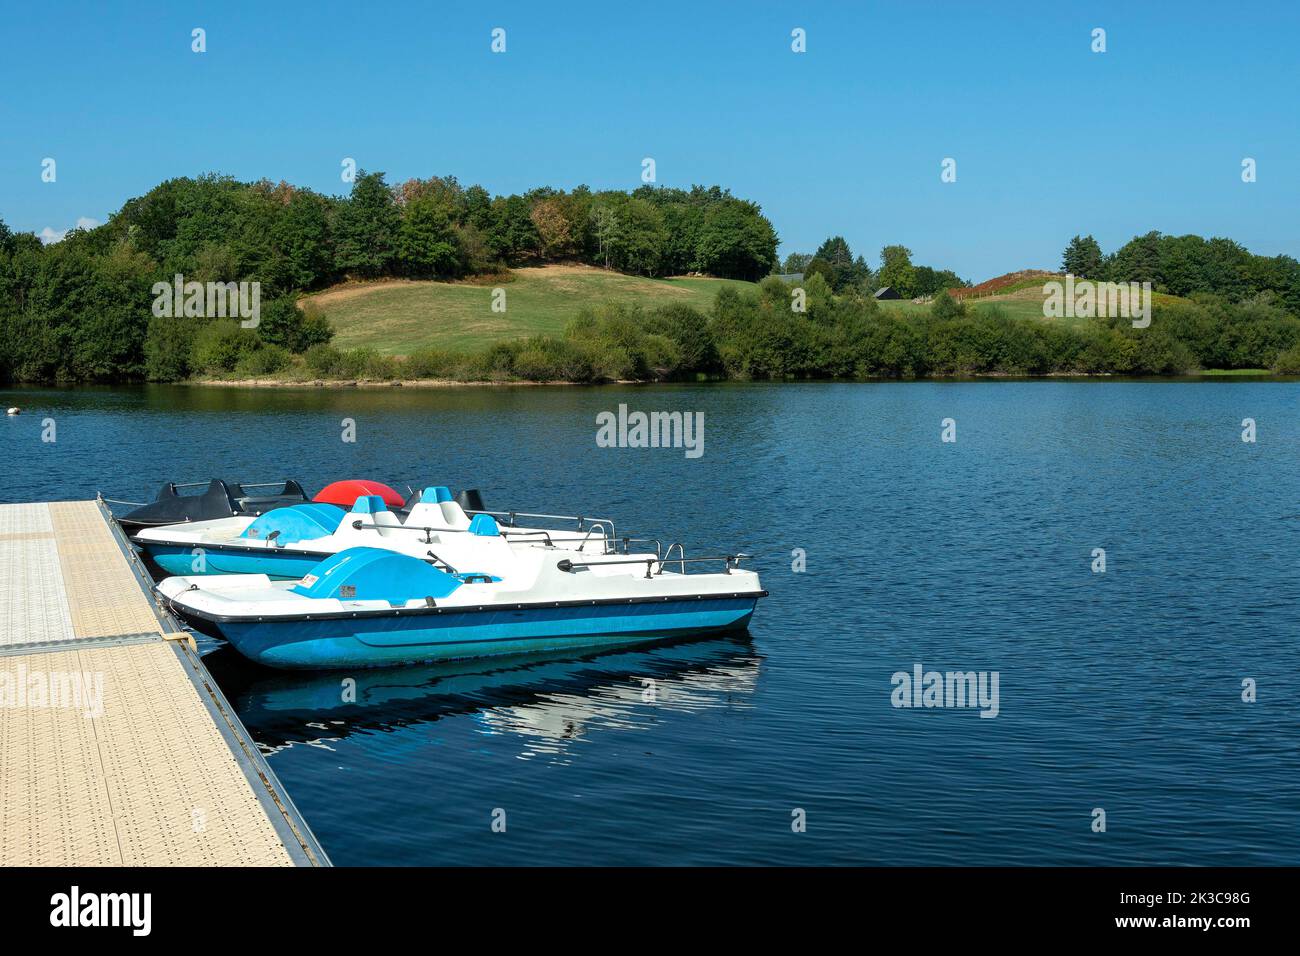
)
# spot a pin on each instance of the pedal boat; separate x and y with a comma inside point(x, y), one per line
point(287, 543)
point(223, 499)
point(368, 607)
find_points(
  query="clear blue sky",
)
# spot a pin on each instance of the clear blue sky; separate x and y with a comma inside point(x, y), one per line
point(1050, 139)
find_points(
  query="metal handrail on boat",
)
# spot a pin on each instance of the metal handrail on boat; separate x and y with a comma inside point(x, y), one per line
point(627, 540)
point(681, 551)
point(582, 520)
point(427, 530)
point(605, 536)
point(242, 484)
point(729, 561)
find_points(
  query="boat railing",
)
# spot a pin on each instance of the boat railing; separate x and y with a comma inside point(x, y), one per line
point(606, 536)
point(242, 484)
point(681, 552)
point(583, 521)
point(99, 496)
point(549, 538)
point(729, 562)
point(628, 540)
point(193, 484)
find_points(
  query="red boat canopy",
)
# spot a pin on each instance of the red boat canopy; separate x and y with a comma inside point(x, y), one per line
point(345, 493)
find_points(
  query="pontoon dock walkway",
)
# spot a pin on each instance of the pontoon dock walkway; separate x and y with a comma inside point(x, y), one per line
point(163, 773)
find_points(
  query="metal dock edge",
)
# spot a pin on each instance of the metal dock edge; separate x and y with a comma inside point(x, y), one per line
point(116, 745)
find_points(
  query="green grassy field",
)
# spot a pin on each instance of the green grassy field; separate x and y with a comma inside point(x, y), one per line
point(397, 318)
point(1021, 300)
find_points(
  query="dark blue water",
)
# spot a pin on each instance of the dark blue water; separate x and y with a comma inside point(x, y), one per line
point(1120, 691)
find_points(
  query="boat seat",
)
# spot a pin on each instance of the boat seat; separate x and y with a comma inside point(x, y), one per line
point(370, 510)
point(454, 515)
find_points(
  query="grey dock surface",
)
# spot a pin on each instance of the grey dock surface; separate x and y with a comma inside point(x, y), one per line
point(154, 769)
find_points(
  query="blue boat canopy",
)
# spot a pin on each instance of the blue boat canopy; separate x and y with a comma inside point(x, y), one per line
point(296, 523)
point(374, 574)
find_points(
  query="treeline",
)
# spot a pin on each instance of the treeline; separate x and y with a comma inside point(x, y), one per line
point(80, 309)
point(755, 335)
point(835, 261)
point(1183, 265)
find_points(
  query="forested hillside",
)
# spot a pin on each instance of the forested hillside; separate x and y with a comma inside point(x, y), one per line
point(80, 309)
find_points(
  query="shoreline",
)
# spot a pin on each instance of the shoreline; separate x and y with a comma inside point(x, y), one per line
point(437, 383)
point(369, 383)
point(418, 383)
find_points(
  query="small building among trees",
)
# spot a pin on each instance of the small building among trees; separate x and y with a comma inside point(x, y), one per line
point(886, 292)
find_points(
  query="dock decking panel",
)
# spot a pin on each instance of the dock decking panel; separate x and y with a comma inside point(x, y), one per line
point(156, 771)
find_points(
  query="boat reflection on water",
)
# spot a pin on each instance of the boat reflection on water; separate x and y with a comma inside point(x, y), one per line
point(548, 702)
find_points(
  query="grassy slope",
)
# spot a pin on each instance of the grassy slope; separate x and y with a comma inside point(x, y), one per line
point(397, 318)
point(1022, 300)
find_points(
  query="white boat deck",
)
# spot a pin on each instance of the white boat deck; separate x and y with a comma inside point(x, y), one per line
point(116, 746)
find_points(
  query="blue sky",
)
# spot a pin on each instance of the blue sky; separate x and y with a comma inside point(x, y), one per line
point(1050, 138)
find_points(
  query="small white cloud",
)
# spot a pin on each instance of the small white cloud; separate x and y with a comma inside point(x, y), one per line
point(49, 235)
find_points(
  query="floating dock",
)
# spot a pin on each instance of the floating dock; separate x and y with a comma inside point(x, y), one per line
point(117, 748)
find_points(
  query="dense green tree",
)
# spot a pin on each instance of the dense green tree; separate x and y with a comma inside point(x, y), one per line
point(1083, 258)
point(303, 235)
point(427, 243)
point(168, 346)
point(283, 323)
point(636, 243)
point(795, 263)
point(928, 281)
point(366, 227)
point(845, 270)
point(512, 236)
point(736, 241)
point(821, 267)
point(897, 271)
point(478, 208)
point(1136, 261)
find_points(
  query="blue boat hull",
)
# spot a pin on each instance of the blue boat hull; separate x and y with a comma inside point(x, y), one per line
point(370, 641)
point(279, 565)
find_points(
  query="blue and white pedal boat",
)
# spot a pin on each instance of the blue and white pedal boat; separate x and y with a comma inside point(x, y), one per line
point(371, 607)
point(289, 542)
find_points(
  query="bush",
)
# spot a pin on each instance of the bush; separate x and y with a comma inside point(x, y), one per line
point(322, 360)
point(432, 363)
point(689, 332)
point(267, 360)
point(283, 323)
point(168, 346)
point(1288, 363)
point(218, 347)
point(946, 307)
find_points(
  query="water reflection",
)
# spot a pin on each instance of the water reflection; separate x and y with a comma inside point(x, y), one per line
point(548, 704)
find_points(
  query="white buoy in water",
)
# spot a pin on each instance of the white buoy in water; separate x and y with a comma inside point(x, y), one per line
point(15, 410)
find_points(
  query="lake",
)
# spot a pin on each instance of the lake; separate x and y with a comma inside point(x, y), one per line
point(1120, 691)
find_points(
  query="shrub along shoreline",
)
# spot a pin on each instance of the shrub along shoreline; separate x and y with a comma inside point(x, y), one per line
point(756, 335)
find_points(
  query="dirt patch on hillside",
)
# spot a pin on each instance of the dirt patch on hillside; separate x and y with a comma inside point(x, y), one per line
point(991, 286)
point(353, 290)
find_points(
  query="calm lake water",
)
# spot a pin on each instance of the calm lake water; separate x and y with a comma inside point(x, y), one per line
point(1120, 690)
